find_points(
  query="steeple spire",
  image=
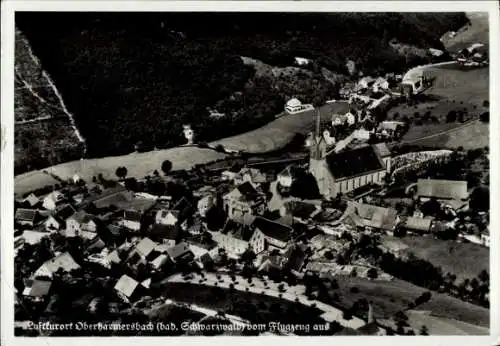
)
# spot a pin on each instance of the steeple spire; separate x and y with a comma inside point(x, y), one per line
point(317, 133)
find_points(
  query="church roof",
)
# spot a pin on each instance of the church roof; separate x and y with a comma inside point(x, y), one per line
point(354, 162)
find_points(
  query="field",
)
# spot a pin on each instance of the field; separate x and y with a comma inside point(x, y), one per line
point(137, 164)
point(448, 255)
point(387, 297)
point(281, 131)
point(391, 296)
point(442, 326)
point(454, 89)
point(471, 136)
point(477, 31)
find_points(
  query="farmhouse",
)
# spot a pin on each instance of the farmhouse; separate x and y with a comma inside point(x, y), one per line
point(81, 224)
point(442, 190)
point(276, 235)
point(63, 262)
point(52, 200)
point(373, 217)
point(128, 289)
point(244, 199)
point(236, 238)
point(26, 217)
point(347, 170)
point(132, 220)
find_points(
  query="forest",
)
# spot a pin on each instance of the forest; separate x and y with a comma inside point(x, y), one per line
point(132, 78)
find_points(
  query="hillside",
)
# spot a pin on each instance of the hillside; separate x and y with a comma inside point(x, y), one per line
point(476, 30)
point(131, 78)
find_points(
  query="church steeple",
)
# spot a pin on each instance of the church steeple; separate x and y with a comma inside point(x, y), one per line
point(319, 146)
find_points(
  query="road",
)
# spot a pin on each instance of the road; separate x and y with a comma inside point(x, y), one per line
point(290, 293)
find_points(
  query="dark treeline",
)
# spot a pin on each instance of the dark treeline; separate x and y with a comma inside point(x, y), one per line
point(137, 77)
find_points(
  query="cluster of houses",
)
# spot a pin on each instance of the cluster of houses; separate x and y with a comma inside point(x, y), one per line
point(153, 236)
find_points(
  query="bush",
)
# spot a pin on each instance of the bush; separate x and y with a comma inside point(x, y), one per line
point(486, 103)
point(485, 117)
point(354, 289)
point(451, 117)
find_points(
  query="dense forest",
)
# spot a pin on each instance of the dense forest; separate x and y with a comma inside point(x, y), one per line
point(138, 77)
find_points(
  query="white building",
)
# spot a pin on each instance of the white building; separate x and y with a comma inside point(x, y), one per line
point(51, 201)
point(293, 105)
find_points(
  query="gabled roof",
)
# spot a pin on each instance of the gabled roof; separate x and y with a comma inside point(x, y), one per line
point(164, 212)
point(82, 217)
point(178, 250)
point(64, 261)
point(237, 230)
point(442, 189)
point(373, 216)
point(165, 231)
point(25, 215)
point(37, 288)
point(244, 191)
point(256, 175)
point(145, 247)
point(132, 215)
point(31, 199)
point(55, 196)
point(273, 229)
point(382, 150)
point(126, 285)
point(159, 261)
point(417, 223)
point(182, 205)
point(64, 211)
point(354, 162)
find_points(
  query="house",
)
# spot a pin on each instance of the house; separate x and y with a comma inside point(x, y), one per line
point(167, 217)
point(159, 261)
point(95, 245)
point(52, 200)
point(31, 200)
point(180, 253)
point(276, 235)
point(365, 83)
point(417, 224)
point(37, 290)
point(236, 238)
point(293, 105)
point(57, 221)
point(63, 262)
point(372, 216)
point(166, 234)
point(81, 224)
point(186, 210)
point(251, 175)
point(442, 190)
point(380, 84)
point(26, 217)
point(132, 219)
point(485, 238)
point(295, 257)
point(205, 261)
point(76, 178)
point(287, 176)
point(302, 61)
point(145, 247)
point(128, 289)
point(205, 203)
point(301, 211)
point(244, 199)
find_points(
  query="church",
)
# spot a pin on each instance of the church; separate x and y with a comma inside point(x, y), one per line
point(347, 170)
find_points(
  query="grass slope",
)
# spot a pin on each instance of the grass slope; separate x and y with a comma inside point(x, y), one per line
point(281, 131)
point(389, 297)
point(138, 165)
point(476, 31)
point(448, 254)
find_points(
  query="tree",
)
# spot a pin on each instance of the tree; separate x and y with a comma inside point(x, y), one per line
point(121, 172)
point(484, 276)
point(372, 273)
point(423, 330)
point(166, 166)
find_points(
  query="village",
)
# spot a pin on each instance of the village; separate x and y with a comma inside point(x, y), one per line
point(285, 232)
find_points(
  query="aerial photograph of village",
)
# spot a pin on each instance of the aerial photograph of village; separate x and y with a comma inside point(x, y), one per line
point(196, 174)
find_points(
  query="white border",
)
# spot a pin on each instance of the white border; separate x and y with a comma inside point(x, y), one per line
point(7, 171)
